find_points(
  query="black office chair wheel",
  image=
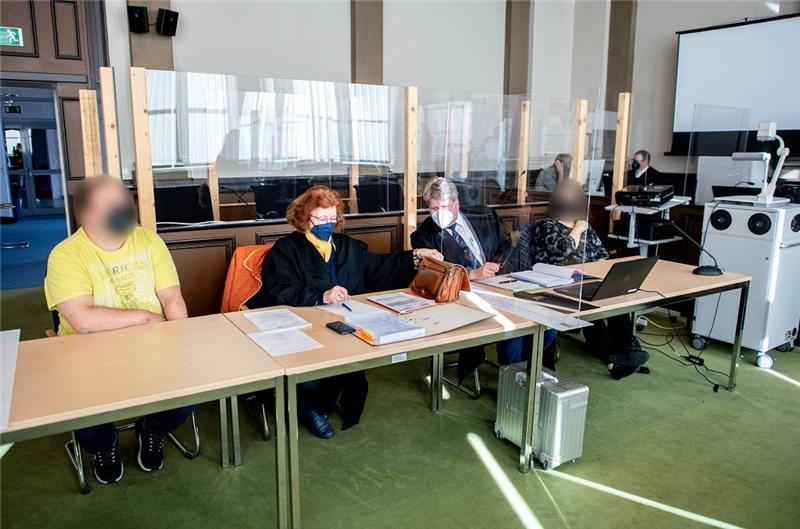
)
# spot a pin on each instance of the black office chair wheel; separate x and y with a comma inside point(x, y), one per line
point(785, 347)
point(699, 343)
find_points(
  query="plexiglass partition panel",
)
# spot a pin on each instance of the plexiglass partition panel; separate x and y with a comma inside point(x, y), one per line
point(552, 135)
point(267, 141)
point(718, 132)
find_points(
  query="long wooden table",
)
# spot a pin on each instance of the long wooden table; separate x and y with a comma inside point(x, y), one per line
point(70, 382)
point(346, 354)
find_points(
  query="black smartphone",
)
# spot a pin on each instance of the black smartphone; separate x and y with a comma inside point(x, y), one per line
point(340, 327)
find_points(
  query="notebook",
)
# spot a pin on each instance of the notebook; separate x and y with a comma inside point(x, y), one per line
point(384, 328)
point(549, 276)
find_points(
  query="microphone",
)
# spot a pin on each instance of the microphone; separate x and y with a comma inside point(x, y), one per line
point(702, 270)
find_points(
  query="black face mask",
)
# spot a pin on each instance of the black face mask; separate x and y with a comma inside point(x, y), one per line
point(121, 220)
point(635, 165)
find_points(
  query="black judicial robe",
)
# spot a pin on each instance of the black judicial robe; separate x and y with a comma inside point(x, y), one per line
point(489, 231)
point(295, 274)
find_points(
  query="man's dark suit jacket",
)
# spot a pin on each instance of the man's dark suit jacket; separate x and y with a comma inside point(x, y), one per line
point(650, 176)
point(489, 230)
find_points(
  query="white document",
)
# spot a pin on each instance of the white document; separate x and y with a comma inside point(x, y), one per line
point(527, 309)
point(548, 275)
point(9, 345)
point(279, 343)
point(356, 309)
point(401, 302)
point(383, 328)
point(276, 320)
point(506, 282)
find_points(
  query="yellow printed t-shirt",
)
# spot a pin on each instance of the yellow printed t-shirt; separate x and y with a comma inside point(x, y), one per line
point(127, 278)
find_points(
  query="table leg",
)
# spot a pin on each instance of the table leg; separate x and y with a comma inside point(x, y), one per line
point(237, 443)
point(737, 341)
point(294, 456)
point(223, 432)
point(531, 402)
point(282, 489)
point(437, 376)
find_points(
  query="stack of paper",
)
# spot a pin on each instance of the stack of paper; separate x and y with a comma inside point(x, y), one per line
point(383, 328)
point(349, 309)
point(401, 302)
point(548, 275)
point(506, 282)
point(280, 332)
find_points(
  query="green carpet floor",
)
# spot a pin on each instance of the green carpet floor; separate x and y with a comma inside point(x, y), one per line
point(664, 437)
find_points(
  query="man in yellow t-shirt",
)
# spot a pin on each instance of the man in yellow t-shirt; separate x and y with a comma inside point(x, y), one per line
point(108, 275)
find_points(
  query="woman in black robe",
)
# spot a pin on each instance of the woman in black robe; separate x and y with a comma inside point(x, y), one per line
point(315, 266)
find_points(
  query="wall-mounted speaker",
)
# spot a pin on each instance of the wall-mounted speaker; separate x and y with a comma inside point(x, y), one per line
point(137, 19)
point(167, 22)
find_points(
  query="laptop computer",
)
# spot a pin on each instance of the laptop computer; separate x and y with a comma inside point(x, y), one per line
point(623, 278)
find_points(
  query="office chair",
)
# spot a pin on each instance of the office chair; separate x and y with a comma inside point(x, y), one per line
point(73, 448)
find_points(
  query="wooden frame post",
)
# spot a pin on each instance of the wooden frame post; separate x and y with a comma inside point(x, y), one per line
point(353, 173)
point(108, 99)
point(90, 134)
point(213, 189)
point(620, 145)
point(141, 142)
point(410, 165)
point(579, 143)
point(522, 151)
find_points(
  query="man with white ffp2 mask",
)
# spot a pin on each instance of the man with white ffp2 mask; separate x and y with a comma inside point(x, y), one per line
point(473, 237)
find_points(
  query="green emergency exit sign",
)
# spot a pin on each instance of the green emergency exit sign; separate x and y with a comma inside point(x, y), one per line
point(10, 36)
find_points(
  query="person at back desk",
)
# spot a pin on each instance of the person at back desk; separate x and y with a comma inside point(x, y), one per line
point(641, 173)
point(315, 266)
point(550, 176)
point(472, 237)
point(564, 238)
point(108, 275)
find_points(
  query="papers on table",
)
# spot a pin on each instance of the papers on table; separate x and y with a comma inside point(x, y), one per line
point(526, 309)
point(356, 309)
point(546, 275)
point(382, 328)
point(446, 317)
point(506, 282)
point(401, 302)
point(278, 343)
point(276, 320)
point(9, 344)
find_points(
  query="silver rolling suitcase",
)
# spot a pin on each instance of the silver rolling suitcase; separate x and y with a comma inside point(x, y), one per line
point(558, 433)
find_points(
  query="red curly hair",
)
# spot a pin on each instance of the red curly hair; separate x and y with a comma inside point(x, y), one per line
point(299, 212)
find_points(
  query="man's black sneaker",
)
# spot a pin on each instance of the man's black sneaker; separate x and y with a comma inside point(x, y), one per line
point(108, 466)
point(151, 448)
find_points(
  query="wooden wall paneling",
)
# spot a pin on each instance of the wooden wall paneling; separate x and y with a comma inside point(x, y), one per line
point(21, 15)
point(70, 113)
point(620, 146)
point(522, 151)
point(90, 134)
point(410, 165)
point(141, 140)
point(66, 29)
point(579, 143)
point(202, 265)
point(108, 100)
point(273, 233)
point(383, 237)
point(366, 41)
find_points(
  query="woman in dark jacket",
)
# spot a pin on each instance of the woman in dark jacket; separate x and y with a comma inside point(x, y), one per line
point(315, 266)
point(564, 238)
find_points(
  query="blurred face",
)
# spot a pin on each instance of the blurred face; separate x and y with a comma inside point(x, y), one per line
point(568, 203)
point(443, 211)
point(110, 211)
point(639, 161)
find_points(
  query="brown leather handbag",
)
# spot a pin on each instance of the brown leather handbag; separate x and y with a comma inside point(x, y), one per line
point(440, 281)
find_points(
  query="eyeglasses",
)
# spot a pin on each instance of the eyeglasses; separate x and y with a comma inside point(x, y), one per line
point(325, 220)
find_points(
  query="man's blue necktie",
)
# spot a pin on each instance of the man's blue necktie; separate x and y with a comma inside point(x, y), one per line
point(469, 257)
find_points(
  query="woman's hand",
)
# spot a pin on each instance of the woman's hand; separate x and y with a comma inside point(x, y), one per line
point(335, 295)
point(578, 230)
point(432, 254)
